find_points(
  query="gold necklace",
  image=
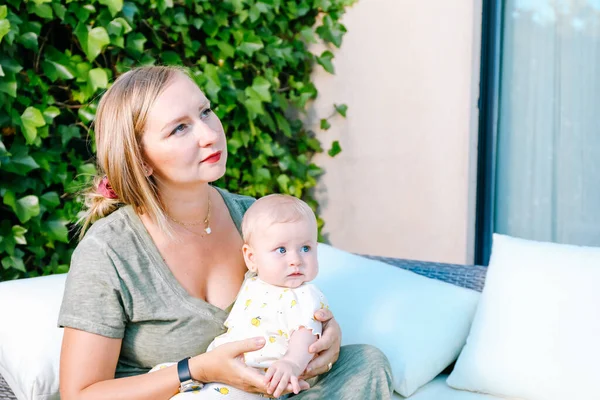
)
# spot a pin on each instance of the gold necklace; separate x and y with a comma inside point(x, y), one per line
point(206, 220)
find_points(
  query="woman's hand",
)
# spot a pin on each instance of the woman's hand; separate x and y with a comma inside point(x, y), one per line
point(327, 348)
point(225, 364)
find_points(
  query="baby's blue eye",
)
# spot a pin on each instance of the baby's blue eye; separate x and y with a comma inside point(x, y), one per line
point(305, 249)
point(281, 250)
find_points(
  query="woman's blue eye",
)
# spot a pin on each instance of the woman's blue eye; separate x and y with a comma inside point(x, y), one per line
point(179, 128)
point(305, 249)
point(280, 250)
point(206, 113)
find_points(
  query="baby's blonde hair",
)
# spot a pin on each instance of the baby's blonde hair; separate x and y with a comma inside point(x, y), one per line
point(273, 209)
point(119, 125)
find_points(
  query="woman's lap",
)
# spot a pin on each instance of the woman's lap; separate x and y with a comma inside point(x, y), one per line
point(362, 372)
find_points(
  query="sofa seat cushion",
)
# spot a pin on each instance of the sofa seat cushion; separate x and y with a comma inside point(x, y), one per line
point(437, 389)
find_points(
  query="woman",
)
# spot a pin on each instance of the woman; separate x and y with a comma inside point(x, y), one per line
point(155, 276)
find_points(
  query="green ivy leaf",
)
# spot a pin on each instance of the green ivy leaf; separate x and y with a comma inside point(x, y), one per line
point(13, 262)
point(10, 64)
point(325, 124)
point(118, 27)
point(341, 109)
point(325, 61)
point(98, 79)
point(8, 85)
point(114, 6)
point(135, 44)
point(283, 181)
point(57, 230)
point(4, 27)
point(251, 44)
point(97, 40)
point(21, 164)
point(31, 119)
point(50, 113)
point(50, 199)
point(42, 10)
point(68, 132)
point(29, 40)
point(283, 124)
point(86, 114)
point(335, 149)
point(18, 233)
point(59, 10)
point(331, 31)
point(25, 208)
point(261, 86)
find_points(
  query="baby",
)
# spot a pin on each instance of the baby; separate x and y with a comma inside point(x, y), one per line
point(276, 302)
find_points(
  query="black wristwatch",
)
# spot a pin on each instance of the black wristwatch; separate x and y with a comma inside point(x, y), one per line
point(186, 382)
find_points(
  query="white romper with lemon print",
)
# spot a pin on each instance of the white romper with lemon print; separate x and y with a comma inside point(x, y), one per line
point(273, 312)
point(262, 309)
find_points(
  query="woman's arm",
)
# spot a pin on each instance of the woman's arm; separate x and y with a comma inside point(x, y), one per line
point(87, 371)
point(88, 363)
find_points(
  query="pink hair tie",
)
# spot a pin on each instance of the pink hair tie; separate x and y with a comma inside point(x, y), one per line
point(106, 190)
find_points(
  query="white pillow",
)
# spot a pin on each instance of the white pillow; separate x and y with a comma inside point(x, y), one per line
point(420, 324)
point(536, 333)
point(29, 339)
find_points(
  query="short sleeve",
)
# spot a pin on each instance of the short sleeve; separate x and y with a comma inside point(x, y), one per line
point(303, 303)
point(93, 297)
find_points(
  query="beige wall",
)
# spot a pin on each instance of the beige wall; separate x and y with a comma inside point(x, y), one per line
point(404, 184)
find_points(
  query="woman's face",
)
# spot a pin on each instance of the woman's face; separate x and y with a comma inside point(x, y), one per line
point(184, 140)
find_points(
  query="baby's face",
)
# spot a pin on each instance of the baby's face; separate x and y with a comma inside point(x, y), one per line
point(285, 254)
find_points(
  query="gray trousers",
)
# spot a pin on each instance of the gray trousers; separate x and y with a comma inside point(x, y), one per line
point(362, 372)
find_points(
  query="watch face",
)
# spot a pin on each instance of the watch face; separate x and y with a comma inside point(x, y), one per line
point(190, 386)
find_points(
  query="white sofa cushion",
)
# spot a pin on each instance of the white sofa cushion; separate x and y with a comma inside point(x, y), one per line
point(420, 324)
point(437, 389)
point(29, 339)
point(535, 334)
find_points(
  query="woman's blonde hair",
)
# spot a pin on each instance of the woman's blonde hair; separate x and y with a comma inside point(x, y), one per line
point(119, 124)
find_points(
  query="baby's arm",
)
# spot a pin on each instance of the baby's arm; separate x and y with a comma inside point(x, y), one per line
point(292, 364)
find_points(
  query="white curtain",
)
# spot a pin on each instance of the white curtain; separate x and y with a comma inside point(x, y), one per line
point(548, 144)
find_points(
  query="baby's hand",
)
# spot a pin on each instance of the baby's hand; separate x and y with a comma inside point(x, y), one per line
point(280, 374)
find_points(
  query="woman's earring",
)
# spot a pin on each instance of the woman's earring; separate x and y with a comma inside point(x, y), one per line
point(147, 170)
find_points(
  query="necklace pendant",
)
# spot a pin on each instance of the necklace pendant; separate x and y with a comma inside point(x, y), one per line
point(207, 230)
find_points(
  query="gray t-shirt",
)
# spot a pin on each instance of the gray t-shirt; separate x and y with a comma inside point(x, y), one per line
point(119, 286)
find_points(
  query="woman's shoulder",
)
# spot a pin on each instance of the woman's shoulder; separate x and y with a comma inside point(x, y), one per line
point(110, 227)
point(114, 231)
point(238, 199)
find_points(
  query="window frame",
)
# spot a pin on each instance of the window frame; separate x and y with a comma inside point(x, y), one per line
point(488, 104)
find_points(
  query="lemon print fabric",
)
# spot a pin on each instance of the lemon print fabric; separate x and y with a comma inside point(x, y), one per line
point(222, 390)
point(294, 303)
point(248, 302)
point(272, 339)
point(255, 321)
point(283, 334)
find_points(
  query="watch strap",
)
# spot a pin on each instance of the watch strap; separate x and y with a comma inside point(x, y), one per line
point(183, 370)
